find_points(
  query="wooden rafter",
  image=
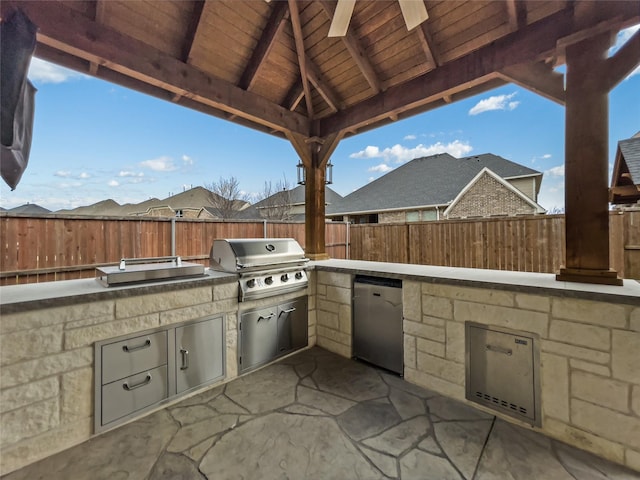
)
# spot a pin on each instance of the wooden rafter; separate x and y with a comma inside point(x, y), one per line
point(301, 54)
point(294, 96)
point(100, 6)
point(426, 42)
point(533, 43)
point(106, 46)
point(275, 24)
point(323, 88)
point(192, 31)
point(517, 11)
point(537, 77)
point(624, 61)
point(358, 54)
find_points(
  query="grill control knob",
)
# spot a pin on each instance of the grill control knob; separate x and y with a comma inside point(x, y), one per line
point(298, 275)
point(268, 280)
point(284, 277)
point(251, 283)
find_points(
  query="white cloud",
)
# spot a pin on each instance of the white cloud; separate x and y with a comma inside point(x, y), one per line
point(129, 173)
point(63, 173)
point(400, 154)
point(45, 72)
point(187, 160)
point(410, 137)
point(498, 102)
point(383, 168)
point(556, 171)
point(546, 156)
point(84, 175)
point(113, 183)
point(160, 164)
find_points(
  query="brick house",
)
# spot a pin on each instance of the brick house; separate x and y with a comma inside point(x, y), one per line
point(444, 187)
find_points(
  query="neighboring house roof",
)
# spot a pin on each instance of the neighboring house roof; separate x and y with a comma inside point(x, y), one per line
point(295, 196)
point(625, 182)
point(429, 181)
point(507, 185)
point(29, 209)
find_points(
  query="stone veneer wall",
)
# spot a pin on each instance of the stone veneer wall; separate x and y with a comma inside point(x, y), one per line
point(46, 362)
point(332, 304)
point(590, 358)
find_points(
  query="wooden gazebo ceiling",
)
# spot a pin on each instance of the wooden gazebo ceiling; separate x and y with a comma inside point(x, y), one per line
point(271, 66)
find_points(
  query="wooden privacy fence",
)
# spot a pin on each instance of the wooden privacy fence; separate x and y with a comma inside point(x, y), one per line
point(38, 249)
point(527, 244)
point(47, 248)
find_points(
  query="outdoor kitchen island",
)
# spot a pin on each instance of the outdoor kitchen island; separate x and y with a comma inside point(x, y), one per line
point(589, 335)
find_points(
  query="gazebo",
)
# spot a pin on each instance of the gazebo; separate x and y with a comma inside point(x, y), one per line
point(271, 66)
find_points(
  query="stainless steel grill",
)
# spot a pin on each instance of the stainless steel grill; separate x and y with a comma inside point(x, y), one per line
point(267, 266)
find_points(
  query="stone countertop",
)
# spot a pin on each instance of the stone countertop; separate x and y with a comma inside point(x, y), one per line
point(527, 282)
point(35, 296)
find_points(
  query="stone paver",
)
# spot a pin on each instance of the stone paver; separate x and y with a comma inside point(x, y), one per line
point(315, 415)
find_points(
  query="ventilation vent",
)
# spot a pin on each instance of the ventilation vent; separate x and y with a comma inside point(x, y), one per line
point(502, 371)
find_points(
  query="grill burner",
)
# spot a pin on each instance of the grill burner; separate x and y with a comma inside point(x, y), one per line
point(267, 266)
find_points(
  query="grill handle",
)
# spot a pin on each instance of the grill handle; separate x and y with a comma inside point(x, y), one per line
point(268, 317)
point(505, 351)
point(136, 261)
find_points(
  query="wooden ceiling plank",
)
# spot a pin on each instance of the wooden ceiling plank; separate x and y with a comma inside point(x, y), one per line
point(294, 96)
point(426, 42)
point(299, 42)
point(272, 30)
point(624, 61)
point(98, 43)
point(533, 43)
point(358, 54)
point(539, 78)
point(327, 93)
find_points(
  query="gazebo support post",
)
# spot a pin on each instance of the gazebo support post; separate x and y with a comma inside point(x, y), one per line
point(586, 163)
point(314, 152)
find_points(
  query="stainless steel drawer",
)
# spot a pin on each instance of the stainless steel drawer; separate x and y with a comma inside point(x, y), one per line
point(127, 357)
point(123, 397)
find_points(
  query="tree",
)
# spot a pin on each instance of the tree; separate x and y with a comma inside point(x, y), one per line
point(226, 197)
point(274, 202)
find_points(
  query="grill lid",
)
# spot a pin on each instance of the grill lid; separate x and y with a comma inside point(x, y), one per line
point(249, 254)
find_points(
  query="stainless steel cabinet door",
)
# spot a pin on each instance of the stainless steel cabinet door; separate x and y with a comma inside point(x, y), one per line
point(259, 337)
point(292, 325)
point(199, 353)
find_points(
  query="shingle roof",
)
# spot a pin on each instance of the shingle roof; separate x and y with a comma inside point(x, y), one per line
point(630, 149)
point(434, 180)
point(296, 197)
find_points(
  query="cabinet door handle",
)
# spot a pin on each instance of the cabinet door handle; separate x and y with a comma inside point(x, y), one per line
point(129, 349)
point(185, 358)
point(289, 310)
point(271, 315)
point(144, 382)
point(505, 351)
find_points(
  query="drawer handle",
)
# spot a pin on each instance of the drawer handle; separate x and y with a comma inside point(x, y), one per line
point(271, 315)
point(146, 381)
point(506, 351)
point(129, 349)
point(185, 359)
point(289, 310)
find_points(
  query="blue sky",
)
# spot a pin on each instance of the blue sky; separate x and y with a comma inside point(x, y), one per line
point(94, 140)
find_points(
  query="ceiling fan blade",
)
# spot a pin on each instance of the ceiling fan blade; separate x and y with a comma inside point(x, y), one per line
point(341, 18)
point(414, 12)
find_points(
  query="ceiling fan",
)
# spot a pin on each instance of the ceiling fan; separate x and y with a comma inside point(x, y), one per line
point(413, 11)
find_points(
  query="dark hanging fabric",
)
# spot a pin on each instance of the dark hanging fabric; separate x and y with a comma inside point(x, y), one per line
point(18, 41)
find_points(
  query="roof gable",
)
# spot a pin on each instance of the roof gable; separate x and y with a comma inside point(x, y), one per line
point(625, 181)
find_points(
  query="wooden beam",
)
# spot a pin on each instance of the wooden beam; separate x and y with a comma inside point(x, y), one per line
point(324, 89)
point(275, 24)
point(426, 42)
point(126, 55)
point(358, 54)
point(192, 30)
point(535, 42)
point(538, 77)
point(294, 96)
point(623, 62)
point(300, 52)
point(517, 12)
point(100, 6)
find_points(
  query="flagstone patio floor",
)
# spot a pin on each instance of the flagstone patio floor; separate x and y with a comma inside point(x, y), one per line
point(315, 415)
